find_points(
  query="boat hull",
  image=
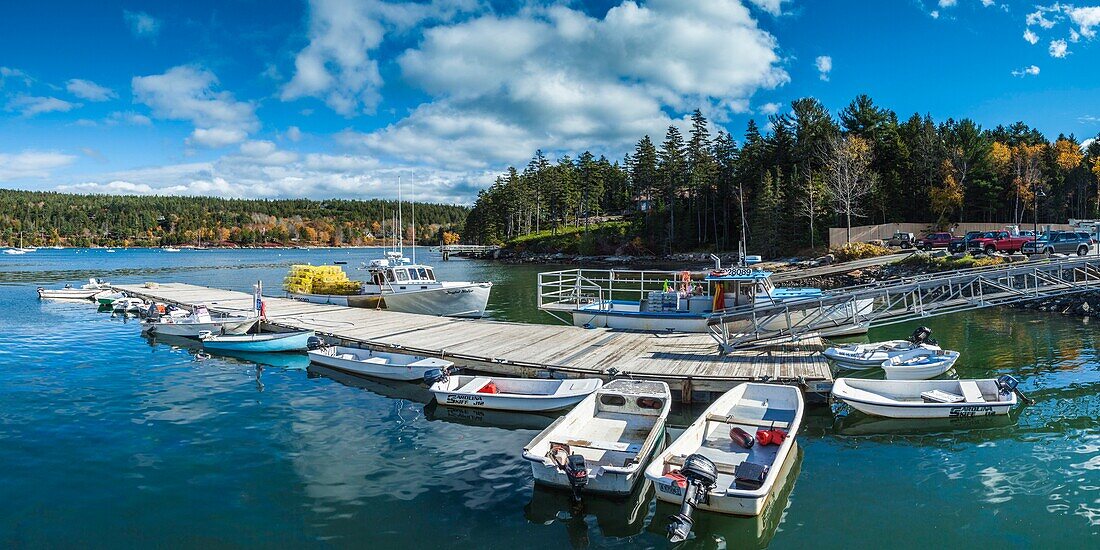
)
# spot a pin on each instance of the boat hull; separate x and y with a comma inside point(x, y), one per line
point(616, 483)
point(449, 394)
point(69, 294)
point(410, 372)
point(449, 300)
point(862, 396)
point(354, 300)
point(260, 343)
point(194, 330)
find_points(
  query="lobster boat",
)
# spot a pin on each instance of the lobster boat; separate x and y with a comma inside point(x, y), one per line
point(512, 394)
point(919, 364)
point(602, 444)
point(377, 364)
point(729, 459)
point(928, 398)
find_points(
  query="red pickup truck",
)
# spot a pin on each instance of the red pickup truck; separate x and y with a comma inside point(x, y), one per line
point(999, 241)
point(934, 240)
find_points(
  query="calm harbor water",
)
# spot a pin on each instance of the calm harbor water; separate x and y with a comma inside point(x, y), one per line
point(107, 439)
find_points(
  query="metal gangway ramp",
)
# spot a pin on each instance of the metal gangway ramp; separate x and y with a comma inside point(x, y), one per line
point(902, 300)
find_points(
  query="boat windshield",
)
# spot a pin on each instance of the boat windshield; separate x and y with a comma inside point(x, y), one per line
point(401, 274)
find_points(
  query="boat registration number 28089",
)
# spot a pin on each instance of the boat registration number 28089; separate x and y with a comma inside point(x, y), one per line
point(740, 271)
point(971, 410)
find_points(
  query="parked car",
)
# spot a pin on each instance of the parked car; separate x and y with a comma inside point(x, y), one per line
point(934, 240)
point(959, 244)
point(1063, 242)
point(904, 240)
point(998, 241)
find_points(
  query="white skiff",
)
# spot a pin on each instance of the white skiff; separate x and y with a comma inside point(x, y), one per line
point(919, 364)
point(94, 288)
point(198, 322)
point(927, 398)
point(602, 444)
point(513, 394)
point(390, 366)
point(750, 407)
point(870, 356)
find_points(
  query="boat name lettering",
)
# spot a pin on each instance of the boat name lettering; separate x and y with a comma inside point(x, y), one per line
point(740, 271)
point(670, 488)
point(460, 291)
point(469, 400)
point(971, 410)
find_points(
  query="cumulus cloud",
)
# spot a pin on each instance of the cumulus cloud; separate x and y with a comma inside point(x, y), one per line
point(947, 3)
point(1058, 48)
point(1026, 71)
point(824, 66)
point(774, 7)
point(266, 153)
point(189, 93)
point(1085, 18)
point(86, 89)
point(29, 106)
point(128, 117)
point(294, 133)
point(1031, 37)
point(1039, 16)
point(556, 78)
point(141, 24)
point(8, 72)
point(768, 108)
point(988, 3)
point(32, 164)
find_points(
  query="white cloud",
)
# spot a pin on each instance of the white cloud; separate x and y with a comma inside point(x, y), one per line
point(559, 79)
point(1038, 17)
point(774, 7)
point(142, 24)
point(265, 152)
point(1058, 48)
point(947, 3)
point(988, 3)
point(294, 133)
point(1031, 37)
point(32, 164)
point(935, 14)
point(1085, 144)
point(29, 106)
point(86, 89)
point(768, 108)
point(128, 117)
point(188, 93)
point(1026, 71)
point(1085, 18)
point(824, 66)
point(216, 137)
point(8, 72)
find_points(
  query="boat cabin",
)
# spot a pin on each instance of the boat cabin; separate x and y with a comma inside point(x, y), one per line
point(396, 269)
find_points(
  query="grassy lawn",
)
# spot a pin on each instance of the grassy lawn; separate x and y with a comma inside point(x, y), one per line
point(600, 239)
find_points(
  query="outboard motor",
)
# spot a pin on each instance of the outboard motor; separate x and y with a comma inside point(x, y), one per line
point(923, 335)
point(1008, 384)
point(572, 465)
point(434, 376)
point(701, 475)
point(314, 343)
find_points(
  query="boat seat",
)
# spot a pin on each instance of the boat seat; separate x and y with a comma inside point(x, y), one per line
point(473, 385)
point(616, 446)
point(723, 468)
point(376, 360)
point(348, 356)
point(971, 392)
point(938, 396)
point(761, 423)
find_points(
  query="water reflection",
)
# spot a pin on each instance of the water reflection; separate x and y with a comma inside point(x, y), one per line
point(724, 531)
point(393, 389)
point(488, 418)
point(613, 517)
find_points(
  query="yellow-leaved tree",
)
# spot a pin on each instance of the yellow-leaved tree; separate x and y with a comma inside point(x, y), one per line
point(948, 195)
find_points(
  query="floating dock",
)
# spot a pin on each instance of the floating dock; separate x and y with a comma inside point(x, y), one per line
point(689, 363)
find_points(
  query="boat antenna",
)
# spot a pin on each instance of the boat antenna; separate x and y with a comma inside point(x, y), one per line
point(414, 219)
point(741, 252)
point(400, 220)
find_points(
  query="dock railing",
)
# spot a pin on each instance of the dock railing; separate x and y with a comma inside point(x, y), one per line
point(568, 289)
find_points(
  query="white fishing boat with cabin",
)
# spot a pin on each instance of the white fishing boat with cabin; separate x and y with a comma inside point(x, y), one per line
point(928, 398)
point(871, 356)
point(94, 288)
point(512, 394)
point(377, 364)
point(919, 364)
point(729, 460)
point(602, 444)
point(674, 301)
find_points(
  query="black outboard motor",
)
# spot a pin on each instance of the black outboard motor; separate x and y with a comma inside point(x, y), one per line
point(572, 465)
point(434, 376)
point(314, 343)
point(1008, 384)
point(923, 335)
point(701, 476)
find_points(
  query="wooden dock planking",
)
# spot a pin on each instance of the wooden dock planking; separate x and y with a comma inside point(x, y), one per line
point(518, 349)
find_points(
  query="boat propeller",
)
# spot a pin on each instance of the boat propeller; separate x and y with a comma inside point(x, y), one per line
point(700, 475)
point(1008, 384)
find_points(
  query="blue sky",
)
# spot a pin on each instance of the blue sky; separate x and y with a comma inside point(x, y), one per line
point(340, 98)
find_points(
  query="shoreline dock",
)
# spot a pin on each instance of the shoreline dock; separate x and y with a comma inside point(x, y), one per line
point(689, 363)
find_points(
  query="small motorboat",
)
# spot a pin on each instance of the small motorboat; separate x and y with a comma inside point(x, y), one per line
point(729, 459)
point(512, 394)
point(198, 322)
point(170, 249)
point(95, 287)
point(128, 305)
point(870, 356)
point(269, 342)
point(379, 364)
point(14, 251)
point(928, 398)
point(602, 444)
point(109, 299)
point(919, 364)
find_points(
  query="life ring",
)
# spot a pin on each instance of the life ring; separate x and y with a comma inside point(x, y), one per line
point(719, 273)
